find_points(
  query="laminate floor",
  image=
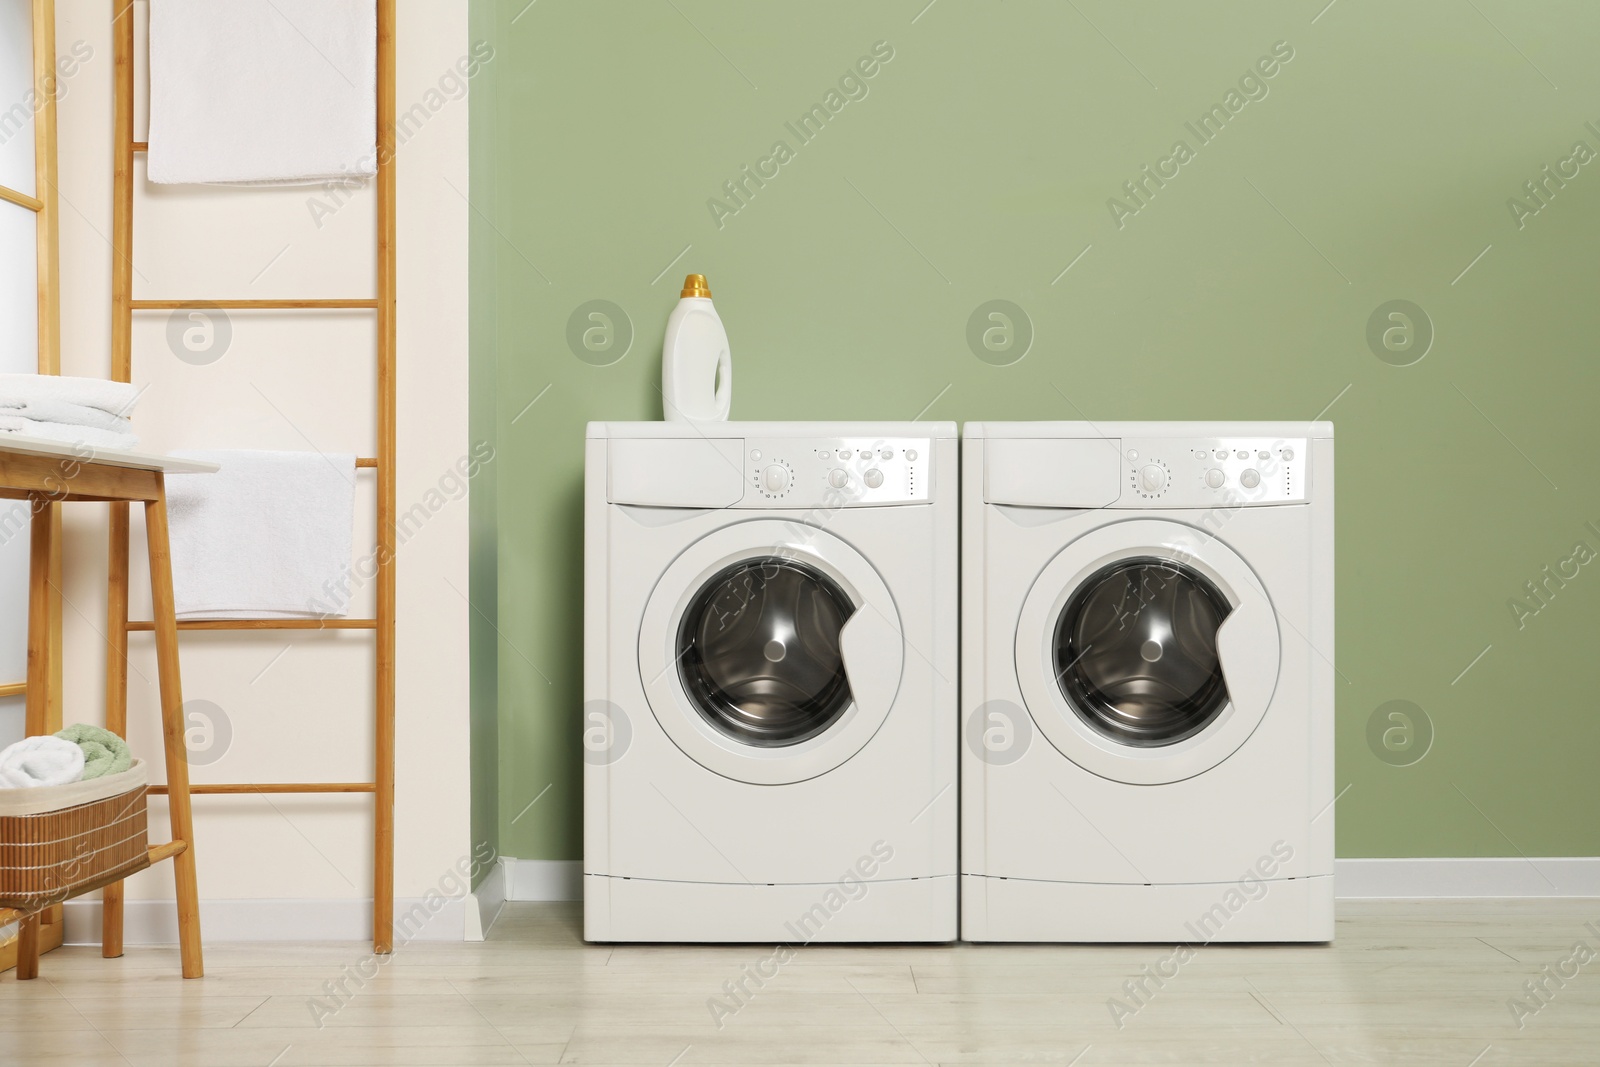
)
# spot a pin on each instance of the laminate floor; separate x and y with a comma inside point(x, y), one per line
point(1407, 982)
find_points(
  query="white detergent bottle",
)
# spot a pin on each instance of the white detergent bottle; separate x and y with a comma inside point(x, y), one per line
point(696, 365)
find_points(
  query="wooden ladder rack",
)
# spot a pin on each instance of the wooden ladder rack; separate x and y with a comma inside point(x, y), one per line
point(124, 305)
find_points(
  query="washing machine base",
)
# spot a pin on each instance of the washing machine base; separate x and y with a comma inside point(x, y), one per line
point(641, 909)
point(1019, 909)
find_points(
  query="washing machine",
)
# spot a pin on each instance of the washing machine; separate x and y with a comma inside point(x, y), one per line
point(1147, 682)
point(770, 682)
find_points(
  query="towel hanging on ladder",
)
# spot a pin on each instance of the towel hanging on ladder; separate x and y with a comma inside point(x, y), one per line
point(268, 536)
point(263, 92)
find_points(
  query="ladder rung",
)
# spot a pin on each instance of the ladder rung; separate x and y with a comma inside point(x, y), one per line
point(13, 689)
point(167, 851)
point(262, 624)
point(141, 146)
point(241, 788)
point(21, 199)
point(255, 305)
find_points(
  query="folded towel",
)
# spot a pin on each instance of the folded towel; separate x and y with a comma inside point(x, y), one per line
point(72, 435)
point(103, 751)
point(117, 398)
point(36, 761)
point(65, 413)
point(263, 92)
point(267, 536)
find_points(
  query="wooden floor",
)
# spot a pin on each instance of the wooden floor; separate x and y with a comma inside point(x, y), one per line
point(1406, 983)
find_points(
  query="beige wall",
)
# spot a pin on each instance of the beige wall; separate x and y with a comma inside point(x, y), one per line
point(299, 706)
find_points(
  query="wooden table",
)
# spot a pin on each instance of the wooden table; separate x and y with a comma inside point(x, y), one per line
point(50, 472)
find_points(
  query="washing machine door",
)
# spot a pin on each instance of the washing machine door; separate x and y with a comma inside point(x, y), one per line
point(1147, 651)
point(770, 651)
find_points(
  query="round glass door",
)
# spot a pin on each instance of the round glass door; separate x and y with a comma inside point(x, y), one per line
point(1136, 651)
point(759, 651)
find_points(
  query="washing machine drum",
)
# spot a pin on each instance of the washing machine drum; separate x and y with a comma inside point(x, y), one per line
point(759, 651)
point(1136, 651)
point(1147, 651)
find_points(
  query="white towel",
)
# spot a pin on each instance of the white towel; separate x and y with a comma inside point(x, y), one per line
point(118, 398)
point(263, 92)
point(36, 761)
point(267, 536)
point(65, 413)
point(89, 436)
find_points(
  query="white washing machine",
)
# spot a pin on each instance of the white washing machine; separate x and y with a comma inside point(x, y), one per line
point(770, 655)
point(1147, 682)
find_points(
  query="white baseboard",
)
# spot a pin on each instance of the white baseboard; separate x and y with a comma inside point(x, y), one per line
point(155, 922)
point(485, 902)
point(1354, 879)
point(1497, 876)
point(543, 879)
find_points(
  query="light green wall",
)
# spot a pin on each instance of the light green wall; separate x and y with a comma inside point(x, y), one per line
point(979, 166)
point(483, 416)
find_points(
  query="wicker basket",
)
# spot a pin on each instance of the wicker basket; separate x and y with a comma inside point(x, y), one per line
point(59, 841)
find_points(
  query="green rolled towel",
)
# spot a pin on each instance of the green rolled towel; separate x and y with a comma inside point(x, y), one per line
point(103, 751)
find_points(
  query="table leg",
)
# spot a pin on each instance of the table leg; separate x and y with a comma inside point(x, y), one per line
point(166, 635)
point(41, 549)
point(28, 947)
point(116, 698)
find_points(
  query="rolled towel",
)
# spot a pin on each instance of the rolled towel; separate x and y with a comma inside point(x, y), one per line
point(37, 761)
point(103, 751)
point(116, 397)
point(73, 435)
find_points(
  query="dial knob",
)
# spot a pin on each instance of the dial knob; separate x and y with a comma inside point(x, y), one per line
point(1250, 478)
point(1215, 478)
point(1152, 478)
point(873, 478)
point(838, 478)
point(775, 479)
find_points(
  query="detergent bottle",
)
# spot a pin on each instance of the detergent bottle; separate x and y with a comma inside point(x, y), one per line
point(696, 366)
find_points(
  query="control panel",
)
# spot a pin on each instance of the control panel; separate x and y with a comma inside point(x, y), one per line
point(837, 472)
point(1202, 472)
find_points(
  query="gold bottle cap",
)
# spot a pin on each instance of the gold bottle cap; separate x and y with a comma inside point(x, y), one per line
point(695, 285)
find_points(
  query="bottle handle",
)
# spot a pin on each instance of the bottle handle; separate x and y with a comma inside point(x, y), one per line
point(724, 384)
